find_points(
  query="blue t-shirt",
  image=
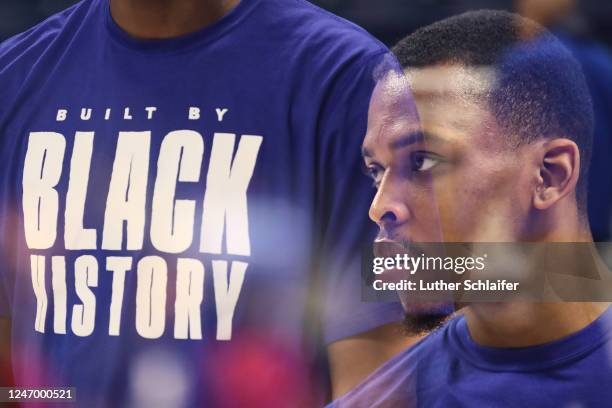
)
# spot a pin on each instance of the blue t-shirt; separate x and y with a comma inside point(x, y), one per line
point(182, 218)
point(448, 369)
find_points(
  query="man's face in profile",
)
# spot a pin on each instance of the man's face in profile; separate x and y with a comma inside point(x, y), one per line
point(450, 176)
point(453, 177)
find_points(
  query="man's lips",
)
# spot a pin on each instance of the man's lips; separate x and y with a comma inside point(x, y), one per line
point(389, 248)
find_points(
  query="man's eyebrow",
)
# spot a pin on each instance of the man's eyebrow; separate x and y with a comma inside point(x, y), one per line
point(415, 137)
point(365, 152)
point(407, 140)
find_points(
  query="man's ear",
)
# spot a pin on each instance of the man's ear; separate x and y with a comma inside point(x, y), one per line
point(559, 172)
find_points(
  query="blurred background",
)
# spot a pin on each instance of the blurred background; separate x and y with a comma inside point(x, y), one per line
point(388, 20)
point(583, 25)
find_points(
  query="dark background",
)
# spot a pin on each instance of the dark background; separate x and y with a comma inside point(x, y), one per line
point(389, 20)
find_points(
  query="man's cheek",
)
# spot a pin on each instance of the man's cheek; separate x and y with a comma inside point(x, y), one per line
point(447, 208)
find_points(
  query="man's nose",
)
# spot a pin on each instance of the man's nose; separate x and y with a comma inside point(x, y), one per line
point(389, 206)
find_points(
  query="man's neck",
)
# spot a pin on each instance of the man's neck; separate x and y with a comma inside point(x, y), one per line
point(160, 19)
point(528, 324)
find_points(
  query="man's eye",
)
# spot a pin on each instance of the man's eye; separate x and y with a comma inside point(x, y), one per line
point(422, 161)
point(375, 173)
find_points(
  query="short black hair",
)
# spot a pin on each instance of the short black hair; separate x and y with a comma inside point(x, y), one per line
point(540, 89)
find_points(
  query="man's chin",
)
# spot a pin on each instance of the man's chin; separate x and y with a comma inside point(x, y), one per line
point(422, 318)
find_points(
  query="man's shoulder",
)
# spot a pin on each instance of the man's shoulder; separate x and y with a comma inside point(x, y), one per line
point(337, 28)
point(395, 382)
point(28, 46)
point(320, 30)
point(35, 51)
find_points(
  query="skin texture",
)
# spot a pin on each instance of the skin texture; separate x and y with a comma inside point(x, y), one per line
point(443, 168)
point(461, 182)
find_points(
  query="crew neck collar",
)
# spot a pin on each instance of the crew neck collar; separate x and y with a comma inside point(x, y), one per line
point(533, 358)
point(181, 43)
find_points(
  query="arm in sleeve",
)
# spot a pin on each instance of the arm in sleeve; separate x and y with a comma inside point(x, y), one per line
point(345, 195)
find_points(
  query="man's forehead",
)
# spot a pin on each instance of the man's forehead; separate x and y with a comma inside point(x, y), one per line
point(453, 113)
point(452, 101)
point(450, 80)
point(449, 111)
point(433, 87)
point(392, 96)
